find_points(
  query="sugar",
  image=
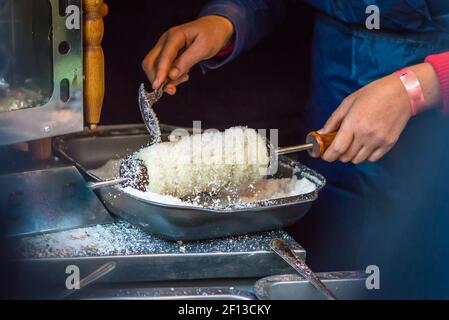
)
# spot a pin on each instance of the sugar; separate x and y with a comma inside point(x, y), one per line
point(265, 190)
point(122, 239)
point(157, 198)
point(302, 186)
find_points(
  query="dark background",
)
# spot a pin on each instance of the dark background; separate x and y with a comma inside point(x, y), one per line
point(266, 87)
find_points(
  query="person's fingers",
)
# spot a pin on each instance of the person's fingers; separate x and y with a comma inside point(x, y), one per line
point(377, 154)
point(190, 57)
point(363, 155)
point(352, 151)
point(335, 120)
point(171, 89)
point(174, 43)
point(174, 73)
point(339, 146)
point(149, 63)
point(180, 80)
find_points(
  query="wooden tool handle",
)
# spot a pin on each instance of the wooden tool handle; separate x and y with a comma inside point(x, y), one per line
point(320, 143)
point(40, 149)
point(94, 79)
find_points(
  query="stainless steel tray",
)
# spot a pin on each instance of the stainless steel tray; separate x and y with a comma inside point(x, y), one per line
point(91, 150)
point(146, 260)
point(349, 285)
point(215, 293)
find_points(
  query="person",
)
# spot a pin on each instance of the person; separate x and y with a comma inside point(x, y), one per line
point(386, 93)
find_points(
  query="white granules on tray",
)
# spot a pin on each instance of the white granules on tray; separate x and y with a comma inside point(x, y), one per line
point(123, 239)
point(155, 197)
point(244, 196)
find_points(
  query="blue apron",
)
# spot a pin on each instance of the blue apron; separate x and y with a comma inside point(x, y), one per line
point(393, 213)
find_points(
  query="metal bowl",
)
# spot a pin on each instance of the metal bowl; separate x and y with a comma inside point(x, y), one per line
point(93, 149)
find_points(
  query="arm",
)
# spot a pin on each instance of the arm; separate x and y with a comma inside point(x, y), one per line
point(440, 63)
point(220, 22)
point(371, 120)
point(252, 21)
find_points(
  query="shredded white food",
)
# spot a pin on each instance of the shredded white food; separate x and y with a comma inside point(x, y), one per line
point(217, 170)
point(206, 162)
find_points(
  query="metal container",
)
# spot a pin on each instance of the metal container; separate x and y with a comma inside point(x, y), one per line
point(41, 69)
point(142, 258)
point(350, 285)
point(89, 151)
point(201, 293)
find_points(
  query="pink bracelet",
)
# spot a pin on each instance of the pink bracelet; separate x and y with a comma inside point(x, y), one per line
point(414, 89)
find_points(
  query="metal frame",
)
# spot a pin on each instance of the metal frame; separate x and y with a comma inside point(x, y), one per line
point(56, 117)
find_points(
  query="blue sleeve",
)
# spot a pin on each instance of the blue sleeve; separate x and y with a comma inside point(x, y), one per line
point(252, 20)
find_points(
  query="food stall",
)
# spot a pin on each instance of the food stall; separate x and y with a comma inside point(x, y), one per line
point(64, 217)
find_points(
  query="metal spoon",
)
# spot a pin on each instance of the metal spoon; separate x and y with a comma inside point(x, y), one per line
point(285, 252)
point(146, 102)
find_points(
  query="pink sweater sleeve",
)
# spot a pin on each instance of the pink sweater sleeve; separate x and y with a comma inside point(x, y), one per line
point(440, 63)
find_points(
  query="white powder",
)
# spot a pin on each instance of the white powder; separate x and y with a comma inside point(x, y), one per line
point(155, 197)
point(272, 189)
point(121, 238)
point(302, 186)
point(264, 190)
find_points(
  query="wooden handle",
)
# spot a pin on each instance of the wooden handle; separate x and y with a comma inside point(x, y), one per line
point(94, 79)
point(40, 149)
point(320, 143)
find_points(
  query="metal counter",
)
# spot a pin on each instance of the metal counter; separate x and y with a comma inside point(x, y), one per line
point(142, 258)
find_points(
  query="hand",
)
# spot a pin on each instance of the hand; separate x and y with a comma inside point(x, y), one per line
point(370, 121)
point(181, 47)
